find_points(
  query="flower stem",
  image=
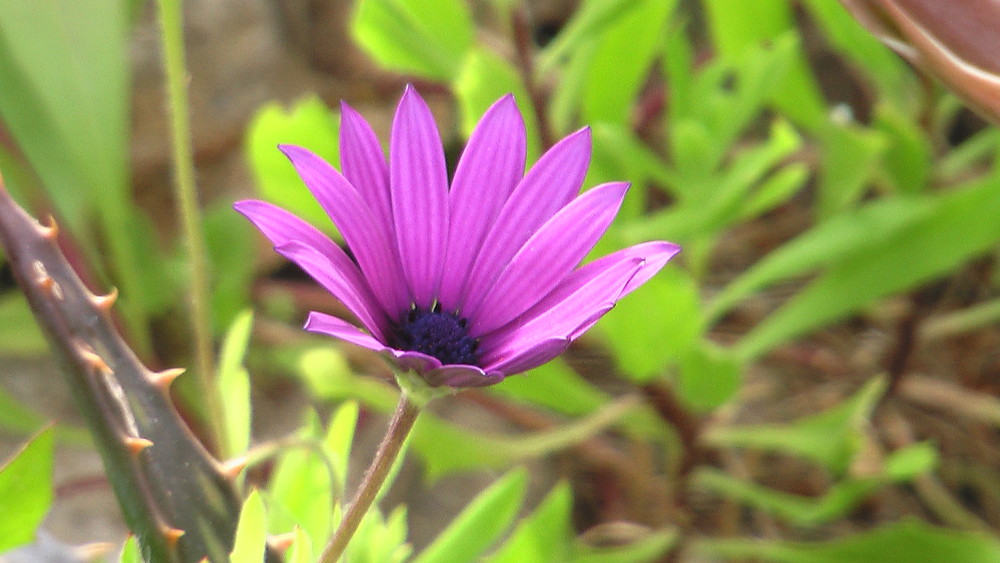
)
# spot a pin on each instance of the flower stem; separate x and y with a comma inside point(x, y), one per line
point(186, 194)
point(399, 427)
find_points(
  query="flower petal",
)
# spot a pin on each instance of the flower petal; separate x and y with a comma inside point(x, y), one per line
point(487, 172)
point(578, 302)
point(529, 358)
point(547, 187)
point(358, 224)
point(419, 184)
point(551, 253)
point(341, 275)
point(340, 281)
point(461, 376)
point(343, 330)
point(363, 163)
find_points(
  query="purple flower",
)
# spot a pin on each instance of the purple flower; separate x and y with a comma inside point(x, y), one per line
point(465, 285)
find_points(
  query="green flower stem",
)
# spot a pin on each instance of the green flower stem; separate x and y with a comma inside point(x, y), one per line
point(186, 194)
point(399, 427)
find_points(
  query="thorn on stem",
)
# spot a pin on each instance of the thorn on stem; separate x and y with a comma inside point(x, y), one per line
point(136, 445)
point(231, 469)
point(172, 535)
point(281, 542)
point(95, 362)
point(106, 302)
point(163, 379)
point(50, 232)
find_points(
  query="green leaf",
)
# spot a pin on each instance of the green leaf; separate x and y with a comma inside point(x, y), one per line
point(960, 225)
point(301, 549)
point(26, 491)
point(652, 547)
point(624, 51)
point(130, 551)
point(849, 158)
point(831, 438)
point(483, 79)
point(234, 385)
point(589, 21)
point(655, 325)
point(231, 244)
point(709, 376)
point(427, 38)
point(380, 540)
point(19, 333)
point(251, 532)
point(300, 491)
point(339, 439)
point(310, 124)
point(481, 523)
point(545, 535)
point(909, 156)
point(909, 541)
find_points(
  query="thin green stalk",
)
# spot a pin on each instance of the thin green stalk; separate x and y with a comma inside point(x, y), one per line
point(399, 427)
point(186, 194)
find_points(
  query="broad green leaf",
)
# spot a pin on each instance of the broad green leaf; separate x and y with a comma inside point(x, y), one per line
point(849, 158)
point(300, 491)
point(234, 385)
point(482, 80)
point(339, 440)
point(650, 548)
point(301, 549)
point(251, 532)
point(428, 38)
point(19, 333)
point(545, 535)
point(308, 123)
point(588, 22)
point(230, 241)
point(841, 236)
point(961, 225)
point(25, 491)
point(130, 551)
point(909, 154)
point(909, 541)
point(65, 100)
point(625, 51)
point(654, 326)
point(831, 438)
point(738, 25)
point(709, 376)
point(480, 524)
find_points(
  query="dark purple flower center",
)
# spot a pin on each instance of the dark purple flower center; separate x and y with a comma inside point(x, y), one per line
point(442, 335)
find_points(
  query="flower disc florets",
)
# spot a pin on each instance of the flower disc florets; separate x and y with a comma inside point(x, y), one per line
point(499, 244)
point(441, 335)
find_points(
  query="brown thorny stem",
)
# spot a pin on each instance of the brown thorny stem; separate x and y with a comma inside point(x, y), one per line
point(399, 427)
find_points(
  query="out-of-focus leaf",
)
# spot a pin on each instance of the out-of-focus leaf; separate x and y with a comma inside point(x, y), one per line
point(308, 123)
point(300, 491)
point(251, 532)
point(588, 22)
point(650, 548)
point(480, 524)
point(850, 156)
point(709, 376)
point(959, 226)
point(831, 438)
point(657, 324)
point(25, 491)
point(545, 535)
point(482, 80)
point(301, 549)
point(909, 155)
point(234, 385)
point(624, 51)
point(19, 334)
point(229, 239)
point(910, 540)
point(380, 540)
point(130, 551)
point(738, 25)
point(424, 37)
point(340, 438)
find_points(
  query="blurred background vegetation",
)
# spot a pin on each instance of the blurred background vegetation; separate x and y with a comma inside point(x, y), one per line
point(814, 379)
